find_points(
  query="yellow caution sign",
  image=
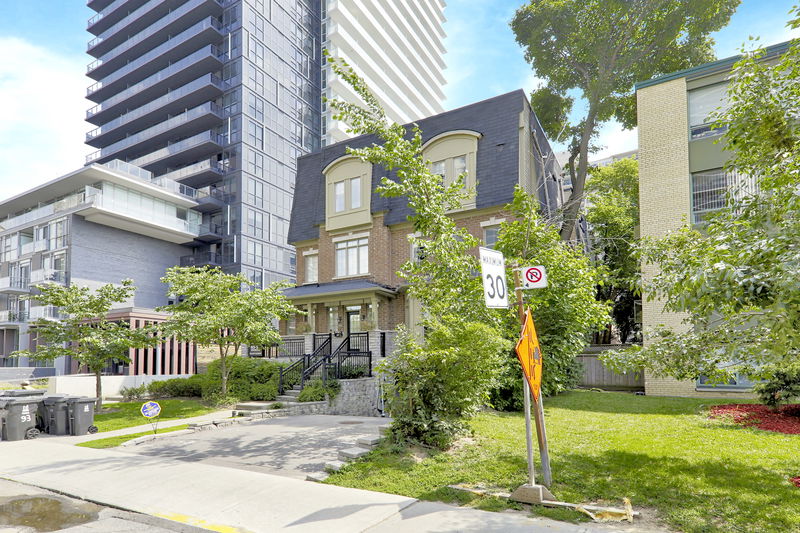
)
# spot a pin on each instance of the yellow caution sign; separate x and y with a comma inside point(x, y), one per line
point(529, 354)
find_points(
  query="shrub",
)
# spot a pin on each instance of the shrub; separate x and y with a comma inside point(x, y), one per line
point(315, 391)
point(158, 389)
point(130, 394)
point(353, 372)
point(244, 375)
point(263, 392)
point(177, 387)
point(437, 386)
point(781, 387)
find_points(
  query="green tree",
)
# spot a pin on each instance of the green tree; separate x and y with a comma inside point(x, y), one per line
point(565, 312)
point(612, 210)
point(735, 278)
point(84, 331)
point(443, 281)
point(222, 309)
point(599, 49)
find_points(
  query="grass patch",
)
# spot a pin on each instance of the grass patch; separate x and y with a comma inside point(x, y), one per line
point(112, 442)
point(700, 475)
point(127, 414)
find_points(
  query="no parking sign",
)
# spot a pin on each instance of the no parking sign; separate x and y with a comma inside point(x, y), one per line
point(534, 277)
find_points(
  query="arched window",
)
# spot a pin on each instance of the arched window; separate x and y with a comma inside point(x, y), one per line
point(454, 153)
point(348, 184)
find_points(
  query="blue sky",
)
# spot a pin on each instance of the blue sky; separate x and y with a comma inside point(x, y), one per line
point(42, 75)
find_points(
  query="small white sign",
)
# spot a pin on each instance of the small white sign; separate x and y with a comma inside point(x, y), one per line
point(493, 272)
point(534, 277)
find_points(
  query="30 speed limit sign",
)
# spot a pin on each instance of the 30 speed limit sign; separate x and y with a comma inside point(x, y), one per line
point(493, 272)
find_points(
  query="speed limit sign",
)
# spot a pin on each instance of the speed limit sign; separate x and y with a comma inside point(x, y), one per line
point(493, 272)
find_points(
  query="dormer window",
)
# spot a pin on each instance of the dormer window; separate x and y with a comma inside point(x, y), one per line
point(452, 154)
point(347, 193)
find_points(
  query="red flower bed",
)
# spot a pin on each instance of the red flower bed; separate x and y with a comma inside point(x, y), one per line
point(785, 420)
point(795, 481)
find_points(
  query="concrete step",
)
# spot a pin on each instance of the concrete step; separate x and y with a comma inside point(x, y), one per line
point(283, 398)
point(352, 453)
point(369, 442)
point(292, 392)
point(334, 466)
point(318, 477)
point(385, 429)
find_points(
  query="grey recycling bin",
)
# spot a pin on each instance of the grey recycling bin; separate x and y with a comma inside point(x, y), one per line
point(54, 414)
point(19, 421)
point(81, 415)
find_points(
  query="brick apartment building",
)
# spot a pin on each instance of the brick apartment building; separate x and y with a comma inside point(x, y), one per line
point(351, 241)
point(682, 178)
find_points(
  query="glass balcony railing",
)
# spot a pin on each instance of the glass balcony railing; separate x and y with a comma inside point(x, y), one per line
point(191, 170)
point(47, 312)
point(26, 218)
point(27, 248)
point(171, 96)
point(147, 176)
point(47, 274)
point(206, 258)
point(144, 34)
point(210, 228)
point(105, 12)
point(166, 126)
point(124, 208)
point(151, 80)
point(180, 146)
point(17, 283)
point(158, 51)
point(14, 317)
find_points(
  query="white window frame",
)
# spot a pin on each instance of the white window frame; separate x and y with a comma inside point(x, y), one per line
point(352, 257)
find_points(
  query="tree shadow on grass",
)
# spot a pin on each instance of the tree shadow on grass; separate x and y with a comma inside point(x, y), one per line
point(706, 495)
point(628, 403)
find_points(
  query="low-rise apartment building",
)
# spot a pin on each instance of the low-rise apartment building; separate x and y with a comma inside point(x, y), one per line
point(682, 178)
point(97, 225)
point(351, 241)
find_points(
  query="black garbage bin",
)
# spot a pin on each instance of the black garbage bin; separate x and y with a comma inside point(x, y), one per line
point(81, 415)
point(54, 414)
point(19, 421)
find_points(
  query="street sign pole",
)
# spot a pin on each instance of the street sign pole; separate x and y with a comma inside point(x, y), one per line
point(526, 388)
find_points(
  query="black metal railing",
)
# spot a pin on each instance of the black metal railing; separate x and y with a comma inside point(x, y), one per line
point(299, 371)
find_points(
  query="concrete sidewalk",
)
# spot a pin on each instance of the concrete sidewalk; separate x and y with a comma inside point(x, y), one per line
point(233, 500)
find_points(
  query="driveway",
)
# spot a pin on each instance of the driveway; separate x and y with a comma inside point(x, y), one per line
point(291, 446)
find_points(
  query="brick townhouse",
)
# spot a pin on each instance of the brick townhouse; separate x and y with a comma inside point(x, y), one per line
point(351, 241)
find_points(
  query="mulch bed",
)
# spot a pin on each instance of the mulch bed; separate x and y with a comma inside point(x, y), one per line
point(786, 419)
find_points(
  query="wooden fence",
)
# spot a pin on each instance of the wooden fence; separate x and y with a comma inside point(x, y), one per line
point(597, 376)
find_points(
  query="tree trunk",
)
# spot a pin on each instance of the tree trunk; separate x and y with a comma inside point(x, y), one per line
point(573, 206)
point(98, 390)
point(223, 370)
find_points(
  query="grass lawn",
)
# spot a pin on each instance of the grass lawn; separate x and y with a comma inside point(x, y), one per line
point(112, 442)
point(126, 414)
point(699, 475)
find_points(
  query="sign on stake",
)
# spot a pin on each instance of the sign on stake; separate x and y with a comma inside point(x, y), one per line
point(493, 272)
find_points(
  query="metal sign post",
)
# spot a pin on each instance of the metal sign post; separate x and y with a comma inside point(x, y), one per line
point(531, 359)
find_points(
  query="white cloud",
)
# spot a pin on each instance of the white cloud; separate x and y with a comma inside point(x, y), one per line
point(42, 129)
point(612, 140)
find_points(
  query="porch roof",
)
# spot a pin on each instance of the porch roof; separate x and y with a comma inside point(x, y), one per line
point(336, 287)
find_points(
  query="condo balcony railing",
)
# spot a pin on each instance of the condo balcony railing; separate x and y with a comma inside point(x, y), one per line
point(211, 228)
point(25, 218)
point(14, 317)
point(166, 126)
point(158, 51)
point(105, 12)
point(48, 312)
point(151, 80)
point(47, 274)
point(190, 170)
point(142, 35)
point(147, 176)
point(126, 209)
point(171, 96)
point(178, 147)
point(18, 283)
point(205, 258)
point(27, 248)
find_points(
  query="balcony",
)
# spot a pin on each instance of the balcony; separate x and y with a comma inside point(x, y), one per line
point(13, 318)
point(205, 259)
point(111, 14)
point(15, 285)
point(203, 89)
point(202, 117)
point(98, 5)
point(27, 219)
point(197, 174)
point(46, 312)
point(193, 148)
point(44, 275)
point(203, 61)
point(210, 232)
point(211, 199)
point(204, 33)
point(27, 249)
point(149, 25)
